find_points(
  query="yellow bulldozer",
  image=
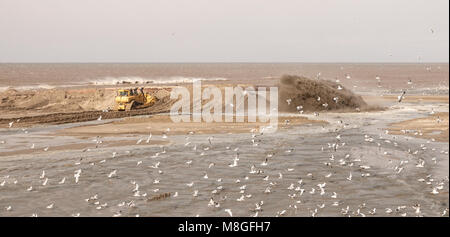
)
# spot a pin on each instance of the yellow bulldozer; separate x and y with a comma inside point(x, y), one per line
point(130, 99)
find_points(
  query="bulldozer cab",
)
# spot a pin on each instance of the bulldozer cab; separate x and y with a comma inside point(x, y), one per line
point(127, 92)
point(122, 92)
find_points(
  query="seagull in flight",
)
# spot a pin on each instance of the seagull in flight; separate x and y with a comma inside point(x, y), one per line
point(229, 212)
point(349, 177)
point(110, 175)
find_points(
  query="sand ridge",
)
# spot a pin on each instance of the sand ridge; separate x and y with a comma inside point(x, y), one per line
point(63, 105)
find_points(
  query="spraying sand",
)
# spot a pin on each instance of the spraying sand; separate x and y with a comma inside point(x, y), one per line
point(303, 94)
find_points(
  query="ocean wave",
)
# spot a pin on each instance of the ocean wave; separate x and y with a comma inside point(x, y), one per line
point(158, 81)
point(24, 88)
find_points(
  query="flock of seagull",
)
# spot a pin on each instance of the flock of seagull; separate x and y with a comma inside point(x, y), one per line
point(299, 191)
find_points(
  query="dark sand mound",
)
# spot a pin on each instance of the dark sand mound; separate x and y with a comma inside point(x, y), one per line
point(304, 93)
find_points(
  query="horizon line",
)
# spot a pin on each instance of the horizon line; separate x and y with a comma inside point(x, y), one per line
point(228, 62)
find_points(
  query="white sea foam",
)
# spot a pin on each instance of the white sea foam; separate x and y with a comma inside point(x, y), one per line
point(24, 88)
point(105, 81)
point(159, 81)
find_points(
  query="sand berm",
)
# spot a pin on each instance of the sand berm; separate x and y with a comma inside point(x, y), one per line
point(68, 105)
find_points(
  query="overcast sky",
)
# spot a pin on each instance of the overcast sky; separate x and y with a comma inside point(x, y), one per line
point(224, 31)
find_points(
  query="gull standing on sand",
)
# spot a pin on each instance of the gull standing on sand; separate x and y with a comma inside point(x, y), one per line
point(76, 175)
point(400, 97)
point(149, 137)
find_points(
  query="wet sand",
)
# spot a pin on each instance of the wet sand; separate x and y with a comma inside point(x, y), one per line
point(434, 127)
point(162, 124)
point(386, 170)
point(83, 147)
